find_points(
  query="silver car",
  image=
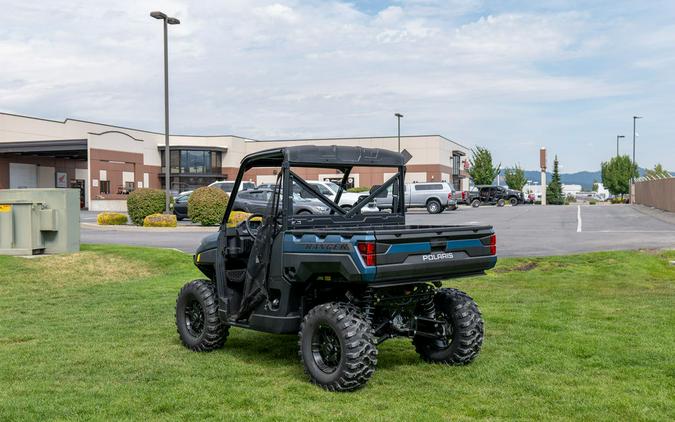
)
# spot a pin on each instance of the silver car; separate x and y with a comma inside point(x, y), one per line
point(434, 196)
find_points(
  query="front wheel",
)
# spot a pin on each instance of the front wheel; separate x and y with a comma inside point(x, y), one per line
point(434, 207)
point(337, 347)
point(513, 202)
point(464, 327)
point(199, 326)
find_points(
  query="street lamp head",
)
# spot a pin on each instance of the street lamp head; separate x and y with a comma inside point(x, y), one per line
point(620, 136)
point(158, 15)
point(172, 21)
point(399, 115)
point(637, 117)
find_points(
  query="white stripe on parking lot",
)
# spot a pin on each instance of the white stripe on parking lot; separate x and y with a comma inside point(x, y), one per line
point(578, 218)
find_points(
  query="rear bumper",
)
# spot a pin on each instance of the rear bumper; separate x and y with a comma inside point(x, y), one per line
point(435, 270)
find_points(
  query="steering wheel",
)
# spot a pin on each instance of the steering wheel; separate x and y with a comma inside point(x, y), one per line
point(253, 232)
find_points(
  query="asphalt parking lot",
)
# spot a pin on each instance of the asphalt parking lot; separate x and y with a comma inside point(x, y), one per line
point(524, 230)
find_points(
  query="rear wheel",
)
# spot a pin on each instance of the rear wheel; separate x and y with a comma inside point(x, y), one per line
point(197, 321)
point(475, 203)
point(337, 347)
point(513, 202)
point(500, 202)
point(434, 207)
point(464, 330)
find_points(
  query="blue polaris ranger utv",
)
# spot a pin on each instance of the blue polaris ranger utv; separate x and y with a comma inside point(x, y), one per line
point(345, 280)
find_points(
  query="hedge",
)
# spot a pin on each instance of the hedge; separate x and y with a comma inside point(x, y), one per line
point(111, 219)
point(237, 217)
point(206, 206)
point(359, 189)
point(144, 202)
point(160, 220)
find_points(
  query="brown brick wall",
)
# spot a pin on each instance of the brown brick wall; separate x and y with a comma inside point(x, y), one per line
point(116, 162)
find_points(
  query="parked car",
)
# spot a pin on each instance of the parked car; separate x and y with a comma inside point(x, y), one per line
point(495, 195)
point(180, 205)
point(347, 199)
point(227, 186)
point(256, 201)
point(436, 197)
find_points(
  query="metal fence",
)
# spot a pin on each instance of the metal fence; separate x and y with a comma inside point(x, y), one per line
point(657, 193)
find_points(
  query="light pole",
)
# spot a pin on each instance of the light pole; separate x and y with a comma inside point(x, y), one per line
point(398, 116)
point(167, 162)
point(634, 119)
point(617, 143)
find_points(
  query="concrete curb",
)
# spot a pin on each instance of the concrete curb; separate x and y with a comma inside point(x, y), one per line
point(127, 228)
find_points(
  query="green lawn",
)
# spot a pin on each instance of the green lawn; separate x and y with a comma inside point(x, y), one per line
point(92, 336)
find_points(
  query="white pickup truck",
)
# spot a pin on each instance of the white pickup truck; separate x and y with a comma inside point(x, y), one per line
point(347, 199)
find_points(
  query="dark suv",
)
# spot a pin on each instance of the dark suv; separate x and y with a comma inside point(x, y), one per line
point(495, 195)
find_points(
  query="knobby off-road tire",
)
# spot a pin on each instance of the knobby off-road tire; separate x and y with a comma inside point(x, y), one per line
point(337, 347)
point(466, 330)
point(513, 202)
point(197, 321)
point(500, 202)
point(475, 203)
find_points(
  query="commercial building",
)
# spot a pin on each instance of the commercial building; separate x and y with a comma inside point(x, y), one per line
point(107, 162)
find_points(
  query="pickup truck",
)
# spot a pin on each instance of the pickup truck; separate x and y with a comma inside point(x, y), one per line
point(344, 281)
point(436, 197)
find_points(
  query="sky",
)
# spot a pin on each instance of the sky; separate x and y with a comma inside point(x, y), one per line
point(511, 76)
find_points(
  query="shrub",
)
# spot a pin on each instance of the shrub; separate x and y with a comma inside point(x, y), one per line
point(237, 217)
point(144, 202)
point(111, 219)
point(206, 206)
point(359, 189)
point(160, 220)
point(592, 202)
point(571, 198)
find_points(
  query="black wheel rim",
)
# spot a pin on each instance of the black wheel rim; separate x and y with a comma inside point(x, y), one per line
point(326, 348)
point(194, 318)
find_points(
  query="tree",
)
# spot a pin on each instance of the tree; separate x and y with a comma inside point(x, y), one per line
point(481, 170)
point(515, 178)
point(657, 173)
point(595, 186)
point(616, 174)
point(554, 192)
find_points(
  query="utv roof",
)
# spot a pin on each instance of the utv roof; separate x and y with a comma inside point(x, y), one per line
point(332, 156)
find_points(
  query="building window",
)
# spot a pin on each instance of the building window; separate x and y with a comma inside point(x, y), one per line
point(195, 162)
point(456, 164)
point(105, 187)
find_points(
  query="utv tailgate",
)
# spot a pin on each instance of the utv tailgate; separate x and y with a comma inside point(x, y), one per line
point(433, 252)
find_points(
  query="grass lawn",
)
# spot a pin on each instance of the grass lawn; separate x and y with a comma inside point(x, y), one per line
point(92, 336)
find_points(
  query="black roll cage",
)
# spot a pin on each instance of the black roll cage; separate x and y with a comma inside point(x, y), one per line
point(331, 157)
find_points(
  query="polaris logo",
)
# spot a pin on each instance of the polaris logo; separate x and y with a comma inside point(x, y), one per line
point(438, 256)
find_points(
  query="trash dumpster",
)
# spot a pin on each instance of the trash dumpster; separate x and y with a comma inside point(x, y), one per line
point(37, 221)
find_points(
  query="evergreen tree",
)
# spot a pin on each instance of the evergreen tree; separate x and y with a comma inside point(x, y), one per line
point(481, 170)
point(515, 178)
point(616, 174)
point(554, 193)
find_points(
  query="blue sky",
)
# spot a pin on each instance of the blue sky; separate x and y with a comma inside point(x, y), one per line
point(509, 75)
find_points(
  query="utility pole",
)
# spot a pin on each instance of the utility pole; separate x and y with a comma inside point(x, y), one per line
point(542, 165)
point(167, 162)
point(398, 116)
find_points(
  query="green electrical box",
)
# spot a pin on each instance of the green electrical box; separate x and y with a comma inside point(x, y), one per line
point(37, 221)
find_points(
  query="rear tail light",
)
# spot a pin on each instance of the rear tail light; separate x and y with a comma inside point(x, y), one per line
point(464, 195)
point(450, 196)
point(493, 244)
point(368, 253)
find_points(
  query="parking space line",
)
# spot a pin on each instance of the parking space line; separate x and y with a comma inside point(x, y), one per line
point(578, 218)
